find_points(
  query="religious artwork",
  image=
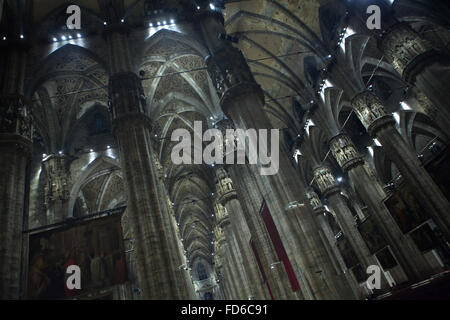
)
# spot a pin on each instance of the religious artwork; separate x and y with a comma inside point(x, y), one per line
point(386, 259)
point(405, 209)
point(425, 238)
point(96, 246)
point(347, 252)
point(372, 235)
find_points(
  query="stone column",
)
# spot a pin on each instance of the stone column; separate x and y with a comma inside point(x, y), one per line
point(222, 265)
point(242, 100)
point(326, 182)
point(185, 290)
point(419, 64)
point(15, 154)
point(328, 235)
point(131, 128)
point(379, 124)
point(250, 196)
point(227, 196)
point(372, 193)
point(57, 187)
point(223, 222)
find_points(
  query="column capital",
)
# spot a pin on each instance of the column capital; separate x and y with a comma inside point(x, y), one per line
point(222, 216)
point(127, 101)
point(344, 151)
point(224, 186)
point(219, 238)
point(371, 112)
point(58, 178)
point(16, 122)
point(231, 76)
point(315, 202)
point(407, 50)
point(326, 181)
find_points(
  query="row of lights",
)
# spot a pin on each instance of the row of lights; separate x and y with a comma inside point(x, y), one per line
point(159, 23)
point(164, 22)
point(44, 155)
point(21, 37)
point(64, 37)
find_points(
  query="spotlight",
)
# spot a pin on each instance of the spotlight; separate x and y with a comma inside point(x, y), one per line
point(198, 7)
point(63, 38)
point(108, 147)
point(164, 22)
point(172, 21)
point(21, 36)
point(159, 23)
point(70, 37)
point(4, 38)
point(44, 155)
point(339, 179)
point(79, 35)
point(54, 39)
point(151, 24)
point(122, 20)
point(212, 6)
point(60, 152)
point(105, 23)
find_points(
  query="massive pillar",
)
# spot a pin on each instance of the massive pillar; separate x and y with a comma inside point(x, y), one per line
point(222, 266)
point(421, 65)
point(235, 259)
point(328, 235)
point(379, 124)
point(242, 100)
point(131, 127)
point(227, 196)
point(372, 193)
point(15, 153)
point(251, 197)
point(326, 182)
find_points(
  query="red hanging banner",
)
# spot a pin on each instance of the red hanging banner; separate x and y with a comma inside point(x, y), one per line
point(260, 267)
point(279, 248)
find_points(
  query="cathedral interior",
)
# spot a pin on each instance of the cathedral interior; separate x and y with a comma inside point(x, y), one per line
point(87, 177)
